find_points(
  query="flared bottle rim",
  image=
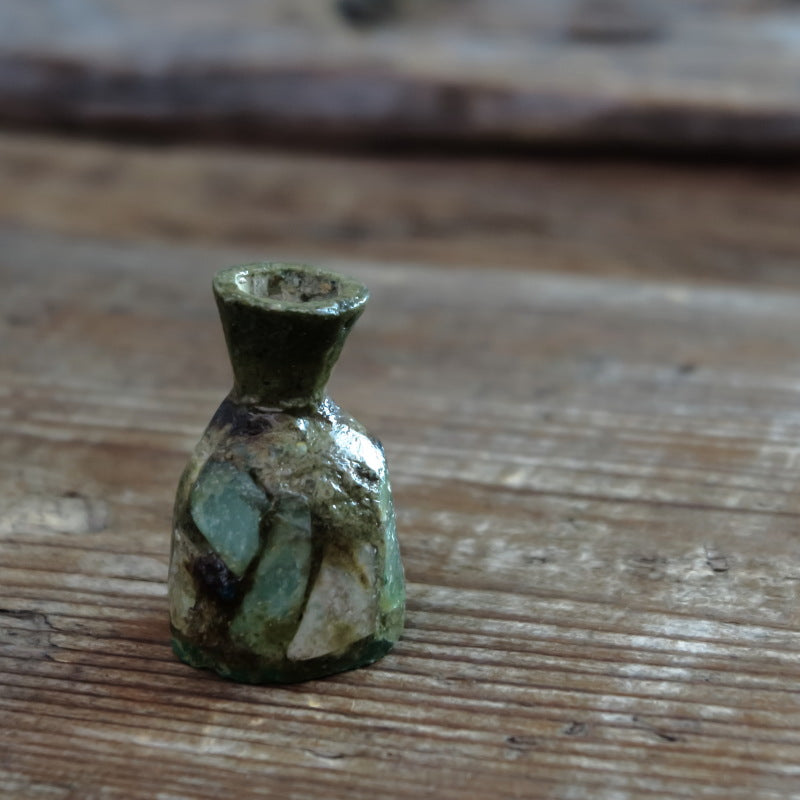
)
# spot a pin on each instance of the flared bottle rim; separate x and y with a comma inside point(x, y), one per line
point(291, 288)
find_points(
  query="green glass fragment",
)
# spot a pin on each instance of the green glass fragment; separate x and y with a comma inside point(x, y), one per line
point(394, 592)
point(226, 505)
point(269, 611)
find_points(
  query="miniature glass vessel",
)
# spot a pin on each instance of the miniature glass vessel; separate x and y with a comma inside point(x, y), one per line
point(285, 564)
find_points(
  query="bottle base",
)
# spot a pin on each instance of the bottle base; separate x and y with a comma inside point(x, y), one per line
point(245, 667)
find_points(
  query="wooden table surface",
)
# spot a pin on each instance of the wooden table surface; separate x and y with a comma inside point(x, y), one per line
point(595, 472)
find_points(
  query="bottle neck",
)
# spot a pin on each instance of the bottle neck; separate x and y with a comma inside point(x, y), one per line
point(284, 334)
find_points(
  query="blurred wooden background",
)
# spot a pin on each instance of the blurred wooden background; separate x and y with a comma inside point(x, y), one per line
point(682, 75)
point(579, 221)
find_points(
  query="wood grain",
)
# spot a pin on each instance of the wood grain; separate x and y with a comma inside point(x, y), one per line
point(686, 75)
point(721, 224)
point(596, 484)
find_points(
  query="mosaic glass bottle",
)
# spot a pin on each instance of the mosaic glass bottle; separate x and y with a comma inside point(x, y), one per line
point(285, 564)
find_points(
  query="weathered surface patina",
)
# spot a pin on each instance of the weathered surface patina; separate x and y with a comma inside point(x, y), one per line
point(285, 564)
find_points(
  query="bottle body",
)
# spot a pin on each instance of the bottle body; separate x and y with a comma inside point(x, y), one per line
point(285, 564)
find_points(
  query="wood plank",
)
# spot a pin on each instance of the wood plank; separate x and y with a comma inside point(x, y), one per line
point(723, 224)
point(596, 484)
point(691, 74)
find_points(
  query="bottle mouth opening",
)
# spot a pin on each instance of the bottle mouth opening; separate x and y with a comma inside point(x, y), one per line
point(290, 287)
